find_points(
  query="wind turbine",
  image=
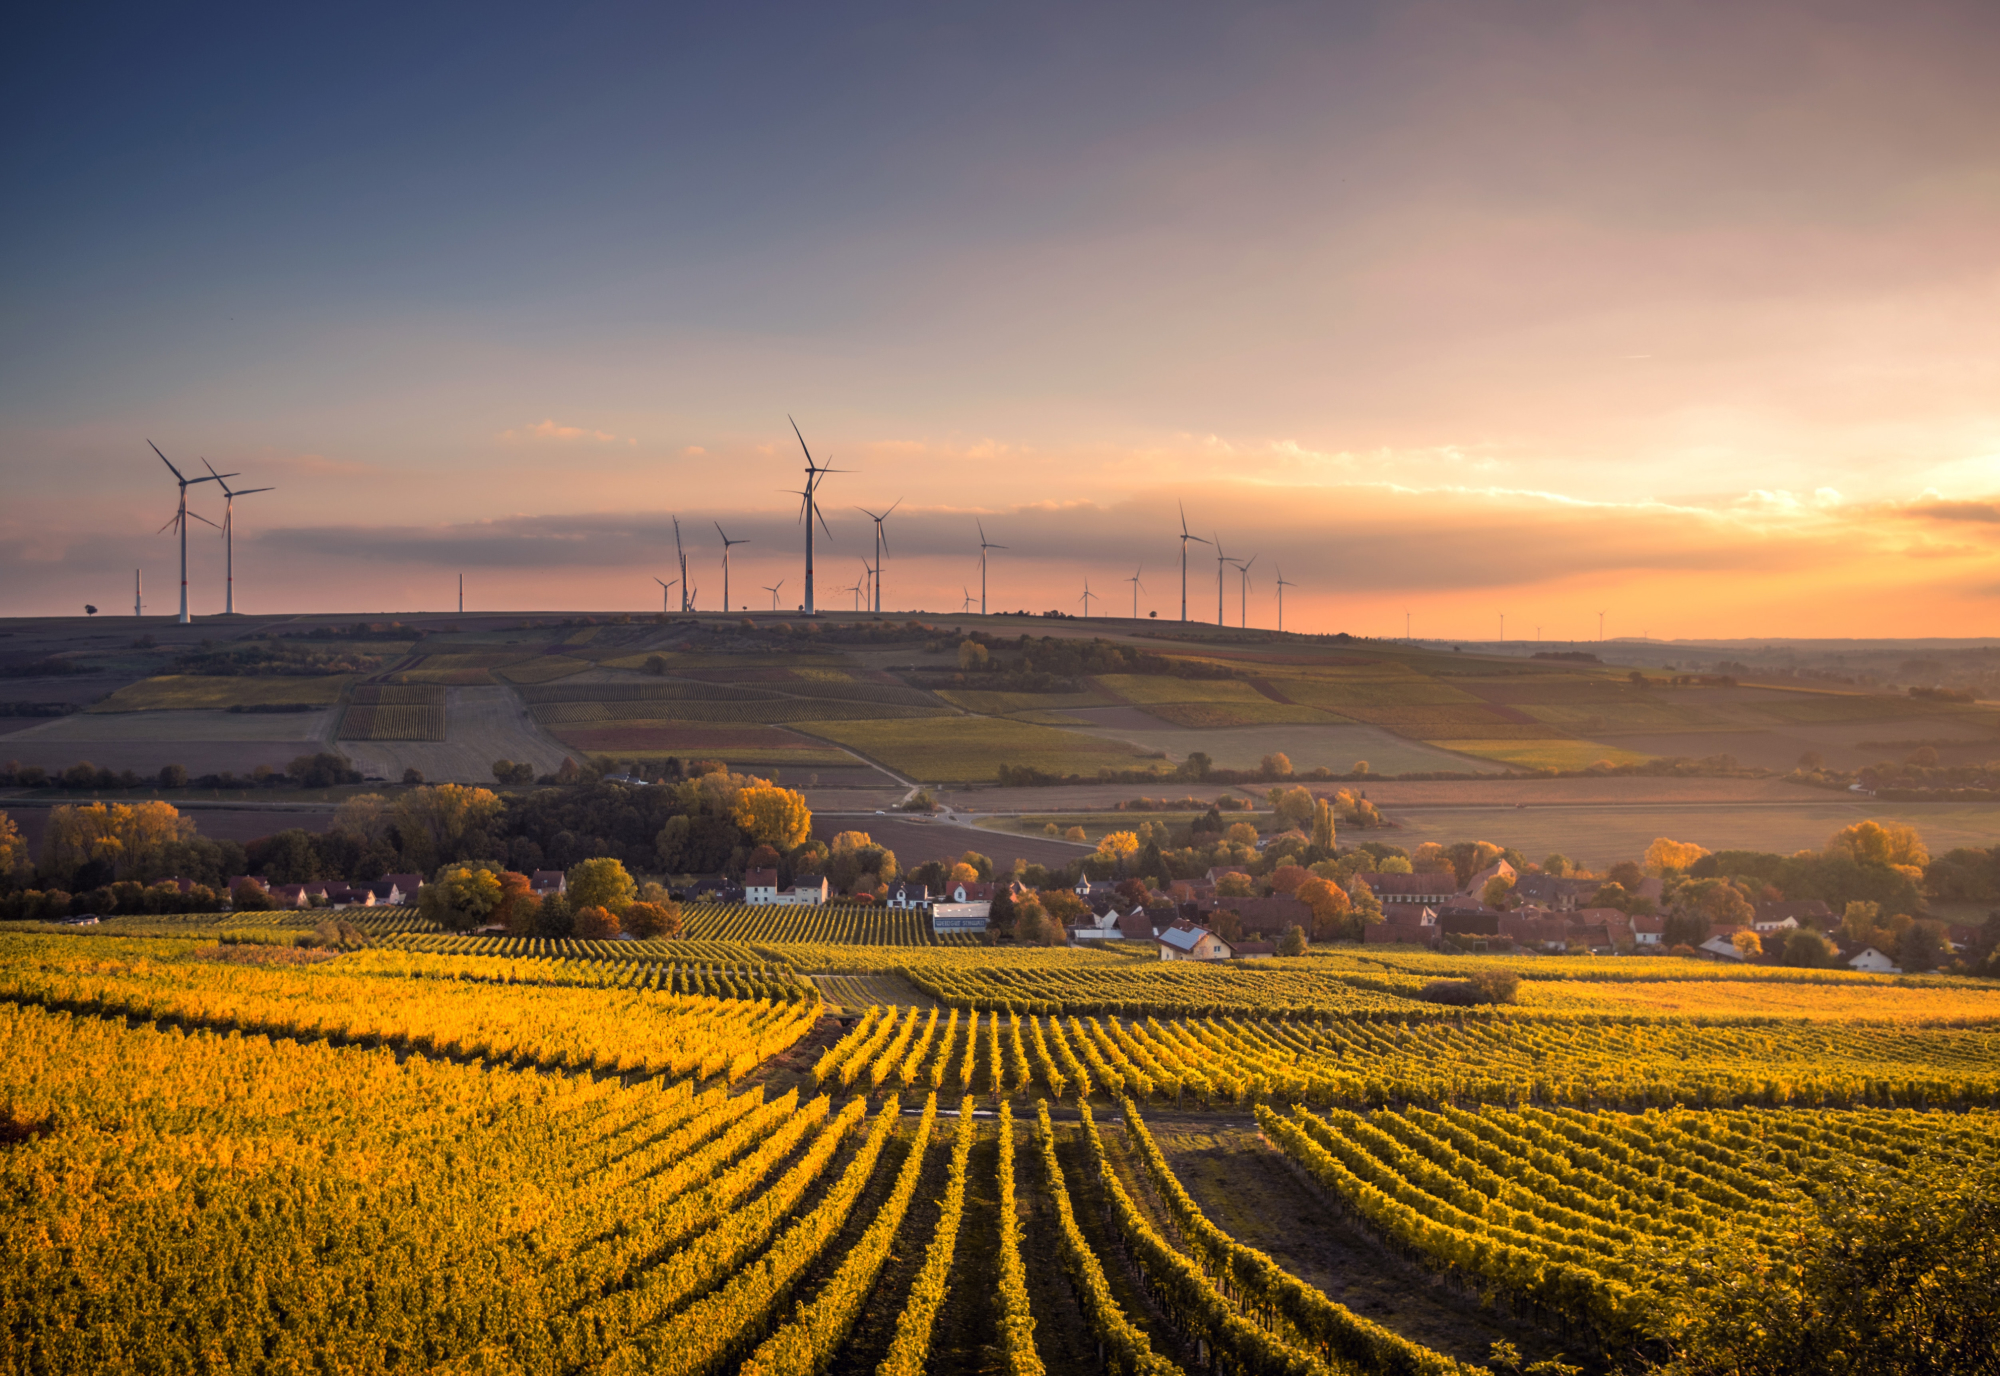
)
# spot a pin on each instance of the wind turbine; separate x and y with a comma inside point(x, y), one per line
point(1221, 561)
point(1085, 599)
point(666, 588)
point(1243, 591)
point(966, 606)
point(180, 520)
point(984, 545)
point(138, 594)
point(772, 588)
point(726, 543)
point(1600, 627)
point(874, 583)
point(1282, 585)
point(855, 588)
point(680, 554)
point(1137, 587)
point(1185, 537)
point(881, 544)
point(809, 510)
point(229, 535)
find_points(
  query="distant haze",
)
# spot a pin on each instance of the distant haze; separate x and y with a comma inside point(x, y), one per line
point(1686, 312)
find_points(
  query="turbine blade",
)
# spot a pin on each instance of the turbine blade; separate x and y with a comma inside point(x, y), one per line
point(203, 519)
point(167, 461)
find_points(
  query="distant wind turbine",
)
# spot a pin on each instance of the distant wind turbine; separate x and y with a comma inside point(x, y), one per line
point(984, 545)
point(726, 543)
point(1137, 587)
point(138, 594)
point(666, 590)
point(1185, 537)
point(966, 606)
point(1221, 562)
point(229, 535)
point(680, 554)
point(180, 519)
point(772, 588)
point(1243, 591)
point(1087, 595)
point(881, 547)
point(1282, 585)
point(809, 509)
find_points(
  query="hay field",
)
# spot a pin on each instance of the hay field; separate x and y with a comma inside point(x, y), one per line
point(186, 692)
point(972, 749)
point(1543, 754)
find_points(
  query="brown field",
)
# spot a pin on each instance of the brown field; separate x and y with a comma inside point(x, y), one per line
point(1260, 712)
point(1333, 746)
point(482, 724)
point(204, 742)
point(185, 692)
point(685, 738)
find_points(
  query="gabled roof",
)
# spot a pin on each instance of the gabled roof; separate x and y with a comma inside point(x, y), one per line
point(760, 879)
point(1185, 938)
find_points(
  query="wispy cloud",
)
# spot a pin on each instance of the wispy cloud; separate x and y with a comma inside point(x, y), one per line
point(1984, 513)
point(549, 430)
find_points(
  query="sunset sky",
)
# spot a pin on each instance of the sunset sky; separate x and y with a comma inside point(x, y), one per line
point(1686, 311)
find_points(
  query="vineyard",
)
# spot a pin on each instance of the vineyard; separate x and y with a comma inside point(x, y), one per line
point(775, 1147)
point(394, 712)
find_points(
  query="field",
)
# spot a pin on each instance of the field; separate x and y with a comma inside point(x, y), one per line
point(971, 749)
point(665, 1155)
point(1333, 746)
point(1543, 754)
point(481, 725)
point(394, 712)
point(183, 692)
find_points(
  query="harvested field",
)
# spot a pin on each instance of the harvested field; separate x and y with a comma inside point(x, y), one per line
point(168, 728)
point(1373, 690)
point(973, 748)
point(1007, 704)
point(187, 692)
point(1598, 835)
point(1544, 754)
point(482, 724)
point(1335, 746)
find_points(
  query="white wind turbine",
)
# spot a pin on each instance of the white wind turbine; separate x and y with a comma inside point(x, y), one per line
point(229, 534)
point(726, 543)
point(772, 588)
point(1085, 599)
point(984, 545)
point(1185, 537)
point(1282, 585)
point(1137, 588)
point(1243, 591)
point(666, 591)
point(881, 548)
point(180, 519)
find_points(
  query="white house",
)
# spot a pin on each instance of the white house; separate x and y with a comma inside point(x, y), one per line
point(908, 897)
point(1648, 931)
point(1722, 947)
point(1762, 926)
point(807, 893)
point(1099, 926)
point(760, 886)
point(1874, 962)
point(963, 907)
point(1184, 941)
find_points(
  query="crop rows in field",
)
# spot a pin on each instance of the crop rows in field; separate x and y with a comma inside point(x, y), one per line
point(1169, 988)
point(394, 712)
point(1359, 1062)
point(572, 1014)
point(1574, 1210)
point(383, 921)
point(824, 924)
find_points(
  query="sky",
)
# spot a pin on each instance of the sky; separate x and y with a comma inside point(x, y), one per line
point(1688, 314)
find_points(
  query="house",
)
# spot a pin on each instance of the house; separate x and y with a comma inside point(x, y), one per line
point(1547, 891)
point(1136, 925)
point(1535, 928)
point(290, 895)
point(1499, 869)
point(1421, 890)
point(1760, 924)
point(1649, 931)
point(1266, 916)
point(1463, 921)
point(907, 897)
point(711, 888)
point(1873, 962)
point(807, 891)
point(1804, 912)
point(1101, 926)
point(760, 886)
point(396, 889)
point(548, 882)
point(1185, 941)
point(1243, 949)
point(1721, 946)
point(965, 906)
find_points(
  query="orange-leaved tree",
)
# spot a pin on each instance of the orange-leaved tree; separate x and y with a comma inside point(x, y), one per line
point(772, 815)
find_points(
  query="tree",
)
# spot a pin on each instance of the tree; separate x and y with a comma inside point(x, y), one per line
point(1073, 834)
point(593, 923)
point(1806, 948)
point(1627, 873)
point(972, 656)
point(1665, 855)
point(1430, 858)
point(1330, 906)
point(1322, 827)
point(1226, 923)
point(600, 883)
point(652, 921)
point(445, 822)
point(1920, 948)
point(516, 908)
point(1747, 944)
point(508, 772)
point(1276, 765)
point(961, 873)
point(772, 815)
point(250, 896)
point(1396, 864)
point(173, 776)
point(1494, 895)
point(1881, 843)
point(1559, 865)
point(1064, 906)
point(1293, 942)
point(1286, 879)
point(1030, 922)
point(1233, 885)
point(13, 847)
point(1116, 845)
point(126, 840)
point(1295, 806)
point(461, 898)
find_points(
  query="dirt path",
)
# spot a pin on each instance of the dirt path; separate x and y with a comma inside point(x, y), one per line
point(1245, 1188)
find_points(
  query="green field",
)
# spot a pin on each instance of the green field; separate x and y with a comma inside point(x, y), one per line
point(1006, 704)
point(972, 749)
point(1146, 689)
point(182, 692)
point(1543, 754)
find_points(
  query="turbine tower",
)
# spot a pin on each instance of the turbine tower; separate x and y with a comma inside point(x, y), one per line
point(984, 545)
point(138, 594)
point(965, 606)
point(1282, 585)
point(881, 546)
point(1137, 587)
point(1222, 561)
point(1243, 591)
point(666, 589)
point(680, 555)
point(772, 588)
point(1085, 599)
point(809, 510)
point(726, 543)
point(855, 588)
point(1185, 537)
point(180, 519)
point(229, 536)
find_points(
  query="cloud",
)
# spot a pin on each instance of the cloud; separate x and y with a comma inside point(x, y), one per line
point(1984, 513)
point(549, 430)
